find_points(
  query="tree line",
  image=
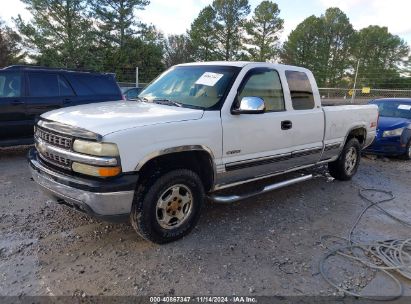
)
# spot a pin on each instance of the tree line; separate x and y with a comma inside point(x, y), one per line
point(106, 35)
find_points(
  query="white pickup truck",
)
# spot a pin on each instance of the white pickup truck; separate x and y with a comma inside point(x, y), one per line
point(196, 130)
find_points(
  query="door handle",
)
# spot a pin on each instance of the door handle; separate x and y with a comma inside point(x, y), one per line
point(17, 102)
point(66, 100)
point(286, 125)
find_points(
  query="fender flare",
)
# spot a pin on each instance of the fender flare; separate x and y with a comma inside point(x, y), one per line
point(185, 148)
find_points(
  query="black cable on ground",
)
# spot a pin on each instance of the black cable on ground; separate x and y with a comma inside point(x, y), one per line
point(385, 256)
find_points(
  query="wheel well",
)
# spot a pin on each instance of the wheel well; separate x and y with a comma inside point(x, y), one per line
point(358, 133)
point(197, 161)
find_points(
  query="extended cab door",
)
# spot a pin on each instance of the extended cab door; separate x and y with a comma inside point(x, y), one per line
point(306, 116)
point(14, 123)
point(282, 138)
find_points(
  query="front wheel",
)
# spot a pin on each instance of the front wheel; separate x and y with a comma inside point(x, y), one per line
point(168, 206)
point(345, 167)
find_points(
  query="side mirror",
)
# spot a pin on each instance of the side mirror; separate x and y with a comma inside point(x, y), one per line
point(250, 105)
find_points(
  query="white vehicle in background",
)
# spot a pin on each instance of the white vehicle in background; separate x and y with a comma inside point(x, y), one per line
point(197, 130)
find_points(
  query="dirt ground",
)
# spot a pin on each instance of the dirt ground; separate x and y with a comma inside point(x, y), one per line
point(268, 245)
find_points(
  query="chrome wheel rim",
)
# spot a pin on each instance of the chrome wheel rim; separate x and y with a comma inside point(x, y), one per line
point(174, 206)
point(409, 151)
point(351, 160)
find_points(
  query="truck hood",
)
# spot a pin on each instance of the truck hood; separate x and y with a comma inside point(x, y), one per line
point(390, 123)
point(108, 117)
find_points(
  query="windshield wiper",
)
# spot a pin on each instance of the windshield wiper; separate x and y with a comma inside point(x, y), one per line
point(168, 102)
point(143, 99)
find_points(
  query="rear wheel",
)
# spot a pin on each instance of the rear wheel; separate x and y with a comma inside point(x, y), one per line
point(167, 206)
point(345, 167)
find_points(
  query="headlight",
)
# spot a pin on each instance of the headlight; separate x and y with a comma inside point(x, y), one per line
point(95, 148)
point(95, 171)
point(391, 133)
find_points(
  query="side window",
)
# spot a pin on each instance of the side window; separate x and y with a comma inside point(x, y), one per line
point(43, 85)
point(300, 89)
point(10, 84)
point(65, 88)
point(266, 84)
point(91, 85)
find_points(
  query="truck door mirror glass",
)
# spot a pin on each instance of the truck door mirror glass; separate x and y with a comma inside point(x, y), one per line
point(250, 105)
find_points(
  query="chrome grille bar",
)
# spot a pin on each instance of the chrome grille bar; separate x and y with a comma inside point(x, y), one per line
point(44, 148)
point(54, 139)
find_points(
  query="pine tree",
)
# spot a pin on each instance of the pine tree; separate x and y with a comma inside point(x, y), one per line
point(263, 30)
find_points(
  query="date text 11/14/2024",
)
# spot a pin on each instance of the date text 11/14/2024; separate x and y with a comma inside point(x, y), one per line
point(203, 299)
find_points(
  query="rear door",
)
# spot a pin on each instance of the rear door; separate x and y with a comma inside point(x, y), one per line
point(14, 123)
point(43, 92)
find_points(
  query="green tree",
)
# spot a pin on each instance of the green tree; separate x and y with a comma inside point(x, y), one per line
point(147, 56)
point(177, 50)
point(229, 26)
point(145, 51)
point(263, 30)
point(150, 34)
point(203, 36)
point(323, 45)
point(304, 45)
point(116, 19)
point(117, 33)
point(10, 46)
point(339, 35)
point(60, 34)
point(382, 56)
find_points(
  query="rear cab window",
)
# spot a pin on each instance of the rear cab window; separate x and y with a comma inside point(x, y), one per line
point(301, 92)
point(10, 84)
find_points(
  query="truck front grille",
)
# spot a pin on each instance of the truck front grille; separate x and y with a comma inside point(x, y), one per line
point(54, 139)
point(56, 160)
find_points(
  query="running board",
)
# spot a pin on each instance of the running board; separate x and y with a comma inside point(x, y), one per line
point(221, 199)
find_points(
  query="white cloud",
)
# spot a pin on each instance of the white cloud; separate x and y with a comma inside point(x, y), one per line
point(172, 17)
point(11, 9)
point(344, 5)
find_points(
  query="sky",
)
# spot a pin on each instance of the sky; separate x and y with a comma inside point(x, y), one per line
point(175, 16)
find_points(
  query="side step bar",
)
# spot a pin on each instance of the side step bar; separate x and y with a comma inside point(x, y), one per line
point(234, 198)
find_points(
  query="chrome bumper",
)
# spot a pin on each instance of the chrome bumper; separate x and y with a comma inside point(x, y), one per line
point(98, 204)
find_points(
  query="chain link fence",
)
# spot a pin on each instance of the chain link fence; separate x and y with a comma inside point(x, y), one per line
point(131, 84)
point(336, 96)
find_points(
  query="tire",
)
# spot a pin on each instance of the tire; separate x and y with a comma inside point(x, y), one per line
point(167, 206)
point(407, 155)
point(345, 167)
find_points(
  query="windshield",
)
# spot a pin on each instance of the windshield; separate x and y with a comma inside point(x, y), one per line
point(394, 109)
point(191, 86)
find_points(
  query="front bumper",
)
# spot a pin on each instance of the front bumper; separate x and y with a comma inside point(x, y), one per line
point(107, 199)
point(387, 146)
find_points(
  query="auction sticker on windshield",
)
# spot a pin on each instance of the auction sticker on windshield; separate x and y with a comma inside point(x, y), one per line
point(209, 79)
point(404, 107)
